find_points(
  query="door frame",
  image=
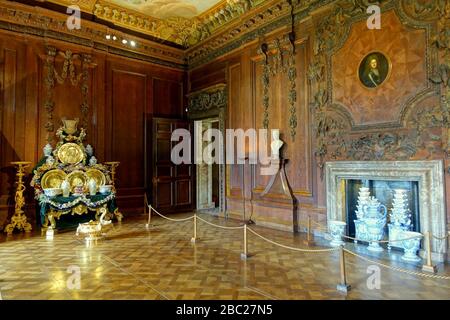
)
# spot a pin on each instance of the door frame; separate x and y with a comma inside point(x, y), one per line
point(212, 102)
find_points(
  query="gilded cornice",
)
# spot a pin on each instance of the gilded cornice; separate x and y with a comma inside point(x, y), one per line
point(50, 24)
point(260, 21)
point(181, 31)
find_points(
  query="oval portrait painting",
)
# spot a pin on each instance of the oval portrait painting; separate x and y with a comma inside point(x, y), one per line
point(373, 70)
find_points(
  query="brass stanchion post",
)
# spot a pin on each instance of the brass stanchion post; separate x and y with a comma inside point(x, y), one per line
point(148, 225)
point(429, 267)
point(343, 286)
point(309, 241)
point(244, 255)
point(194, 239)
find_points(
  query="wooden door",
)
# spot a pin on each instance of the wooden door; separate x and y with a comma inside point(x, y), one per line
point(172, 184)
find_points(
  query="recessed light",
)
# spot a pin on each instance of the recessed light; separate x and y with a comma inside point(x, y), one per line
point(114, 38)
point(124, 41)
point(108, 36)
point(132, 43)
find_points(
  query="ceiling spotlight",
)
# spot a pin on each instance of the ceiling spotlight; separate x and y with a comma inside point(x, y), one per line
point(114, 38)
point(124, 41)
point(108, 36)
point(132, 43)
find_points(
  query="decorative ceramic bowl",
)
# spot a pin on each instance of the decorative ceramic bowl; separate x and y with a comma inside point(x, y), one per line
point(337, 230)
point(105, 189)
point(52, 192)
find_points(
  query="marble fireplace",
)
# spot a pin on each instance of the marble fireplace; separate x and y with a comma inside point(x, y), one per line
point(429, 178)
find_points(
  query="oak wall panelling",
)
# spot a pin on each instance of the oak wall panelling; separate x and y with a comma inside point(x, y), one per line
point(121, 98)
point(332, 105)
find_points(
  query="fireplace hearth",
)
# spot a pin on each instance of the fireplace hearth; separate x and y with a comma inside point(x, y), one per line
point(424, 181)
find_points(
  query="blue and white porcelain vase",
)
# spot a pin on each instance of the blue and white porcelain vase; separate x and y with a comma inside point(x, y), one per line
point(411, 245)
point(337, 230)
point(400, 217)
point(375, 215)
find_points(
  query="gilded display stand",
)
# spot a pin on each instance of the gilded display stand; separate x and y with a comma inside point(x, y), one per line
point(19, 219)
point(68, 179)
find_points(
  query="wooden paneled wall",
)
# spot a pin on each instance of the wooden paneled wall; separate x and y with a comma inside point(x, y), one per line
point(123, 96)
point(366, 112)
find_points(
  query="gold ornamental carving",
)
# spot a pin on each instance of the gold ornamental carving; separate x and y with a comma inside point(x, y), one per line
point(19, 219)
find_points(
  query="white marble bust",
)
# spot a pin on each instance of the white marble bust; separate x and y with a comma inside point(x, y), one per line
point(276, 144)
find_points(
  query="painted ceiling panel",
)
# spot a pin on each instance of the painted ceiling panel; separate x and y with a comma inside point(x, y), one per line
point(164, 9)
point(182, 22)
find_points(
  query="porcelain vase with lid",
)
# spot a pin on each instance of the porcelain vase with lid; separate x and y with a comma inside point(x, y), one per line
point(65, 186)
point(92, 187)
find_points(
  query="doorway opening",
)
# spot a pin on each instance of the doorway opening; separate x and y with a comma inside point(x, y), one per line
point(208, 175)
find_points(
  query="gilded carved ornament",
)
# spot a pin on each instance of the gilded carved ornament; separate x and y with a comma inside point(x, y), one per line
point(68, 71)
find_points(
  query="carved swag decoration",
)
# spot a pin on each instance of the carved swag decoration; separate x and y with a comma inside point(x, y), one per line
point(214, 97)
point(422, 135)
point(279, 57)
point(68, 71)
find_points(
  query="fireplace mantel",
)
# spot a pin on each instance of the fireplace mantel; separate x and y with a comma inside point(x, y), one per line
point(429, 174)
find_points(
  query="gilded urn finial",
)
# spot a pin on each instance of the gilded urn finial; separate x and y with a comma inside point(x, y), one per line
point(70, 126)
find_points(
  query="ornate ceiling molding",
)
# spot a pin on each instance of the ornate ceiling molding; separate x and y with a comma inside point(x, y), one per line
point(181, 31)
point(215, 32)
point(49, 24)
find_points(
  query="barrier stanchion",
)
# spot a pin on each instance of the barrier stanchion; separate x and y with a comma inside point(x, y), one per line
point(194, 238)
point(343, 286)
point(309, 241)
point(244, 255)
point(149, 221)
point(429, 267)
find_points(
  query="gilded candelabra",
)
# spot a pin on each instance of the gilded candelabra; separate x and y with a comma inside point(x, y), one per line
point(113, 165)
point(19, 219)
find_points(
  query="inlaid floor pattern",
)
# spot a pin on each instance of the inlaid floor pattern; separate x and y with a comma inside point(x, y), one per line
point(161, 263)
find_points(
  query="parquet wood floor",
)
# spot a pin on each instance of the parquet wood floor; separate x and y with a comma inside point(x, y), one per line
point(161, 263)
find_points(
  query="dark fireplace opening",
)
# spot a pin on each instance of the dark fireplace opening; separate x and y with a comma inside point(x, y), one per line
point(382, 190)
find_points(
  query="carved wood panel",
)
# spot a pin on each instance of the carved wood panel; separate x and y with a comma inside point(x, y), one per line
point(405, 48)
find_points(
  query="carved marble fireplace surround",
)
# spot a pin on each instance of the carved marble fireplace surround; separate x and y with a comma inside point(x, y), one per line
point(429, 175)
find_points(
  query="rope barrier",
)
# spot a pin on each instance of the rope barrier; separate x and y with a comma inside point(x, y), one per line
point(319, 224)
point(433, 276)
point(288, 247)
point(343, 281)
point(441, 238)
point(167, 218)
point(218, 226)
point(384, 241)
